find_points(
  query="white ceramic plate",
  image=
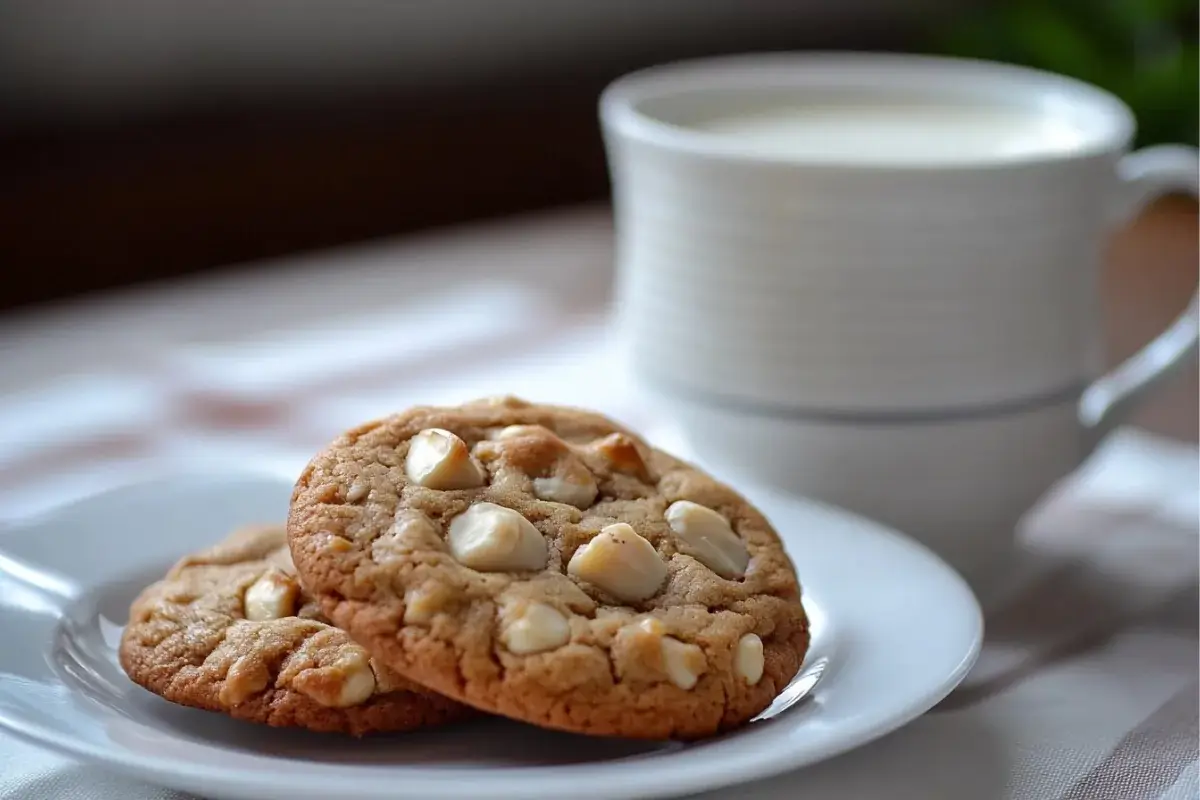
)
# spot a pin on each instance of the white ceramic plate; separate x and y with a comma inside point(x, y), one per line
point(899, 630)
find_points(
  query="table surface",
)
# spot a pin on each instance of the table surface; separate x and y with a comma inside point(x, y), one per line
point(1087, 686)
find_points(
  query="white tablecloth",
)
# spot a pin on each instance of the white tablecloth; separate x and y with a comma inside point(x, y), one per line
point(1087, 687)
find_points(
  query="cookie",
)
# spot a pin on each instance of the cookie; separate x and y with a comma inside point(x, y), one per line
point(230, 630)
point(546, 564)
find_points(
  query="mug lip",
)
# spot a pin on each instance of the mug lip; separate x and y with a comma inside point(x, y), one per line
point(620, 115)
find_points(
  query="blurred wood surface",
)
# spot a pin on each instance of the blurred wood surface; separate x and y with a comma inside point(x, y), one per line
point(117, 205)
point(1149, 277)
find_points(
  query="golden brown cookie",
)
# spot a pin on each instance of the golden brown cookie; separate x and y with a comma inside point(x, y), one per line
point(230, 630)
point(546, 564)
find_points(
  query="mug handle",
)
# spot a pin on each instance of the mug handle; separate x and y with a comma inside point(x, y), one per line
point(1145, 176)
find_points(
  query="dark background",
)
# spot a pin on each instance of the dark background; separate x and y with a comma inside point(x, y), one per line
point(141, 140)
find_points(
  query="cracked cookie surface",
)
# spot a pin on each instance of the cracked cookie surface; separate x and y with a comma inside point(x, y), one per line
point(546, 564)
point(230, 630)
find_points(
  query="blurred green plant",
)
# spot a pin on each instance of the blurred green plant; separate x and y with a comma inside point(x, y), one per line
point(1143, 51)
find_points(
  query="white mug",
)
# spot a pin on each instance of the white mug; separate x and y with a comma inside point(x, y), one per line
point(913, 338)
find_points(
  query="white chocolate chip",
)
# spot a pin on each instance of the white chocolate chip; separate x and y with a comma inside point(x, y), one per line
point(347, 681)
point(650, 626)
point(336, 544)
point(247, 676)
point(622, 454)
point(492, 538)
point(637, 648)
point(422, 603)
point(501, 401)
point(357, 685)
point(515, 431)
point(620, 562)
point(574, 490)
point(531, 627)
point(273, 596)
point(558, 475)
point(437, 459)
point(357, 491)
point(707, 537)
point(684, 663)
point(748, 658)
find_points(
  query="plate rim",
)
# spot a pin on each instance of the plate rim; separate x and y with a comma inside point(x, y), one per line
point(437, 782)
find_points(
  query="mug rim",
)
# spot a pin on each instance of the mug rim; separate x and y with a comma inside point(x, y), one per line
point(620, 115)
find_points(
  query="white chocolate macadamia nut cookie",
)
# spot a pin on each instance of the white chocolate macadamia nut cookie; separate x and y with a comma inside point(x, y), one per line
point(546, 564)
point(230, 630)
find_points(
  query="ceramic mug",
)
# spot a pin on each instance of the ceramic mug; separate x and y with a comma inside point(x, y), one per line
point(916, 340)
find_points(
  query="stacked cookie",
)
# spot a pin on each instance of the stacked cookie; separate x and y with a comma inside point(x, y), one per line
point(536, 562)
point(230, 630)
